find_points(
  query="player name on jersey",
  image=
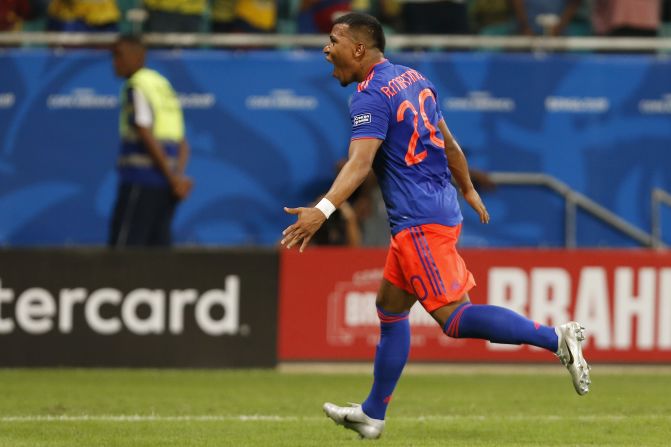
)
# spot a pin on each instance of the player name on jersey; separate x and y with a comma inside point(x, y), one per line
point(401, 82)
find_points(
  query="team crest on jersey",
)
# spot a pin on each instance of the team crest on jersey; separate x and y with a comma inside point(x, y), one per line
point(364, 118)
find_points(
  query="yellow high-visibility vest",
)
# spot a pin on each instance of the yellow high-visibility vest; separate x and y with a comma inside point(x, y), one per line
point(168, 121)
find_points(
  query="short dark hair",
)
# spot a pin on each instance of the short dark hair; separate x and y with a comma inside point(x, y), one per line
point(358, 21)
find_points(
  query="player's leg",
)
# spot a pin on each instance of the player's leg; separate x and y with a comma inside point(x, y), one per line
point(493, 323)
point(501, 325)
point(459, 318)
point(393, 308)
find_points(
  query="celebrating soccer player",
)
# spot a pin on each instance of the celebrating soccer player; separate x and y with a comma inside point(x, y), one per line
point(399, 131)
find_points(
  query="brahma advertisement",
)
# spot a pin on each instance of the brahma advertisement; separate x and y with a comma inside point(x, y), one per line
point(622, 297)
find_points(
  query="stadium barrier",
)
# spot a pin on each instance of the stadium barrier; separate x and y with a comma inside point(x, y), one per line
point(138, 308)
point(623, 298)
point(250, 308)
point(394, 42)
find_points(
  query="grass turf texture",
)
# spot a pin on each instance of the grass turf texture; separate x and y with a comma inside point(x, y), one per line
point(66, 407)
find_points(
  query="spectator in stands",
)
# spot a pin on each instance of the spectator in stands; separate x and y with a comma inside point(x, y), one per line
point(83, 15)
point(223, 16)
point(174, 16)
point(317, 16)
point(154, 152)
point(492, 17)
point(435, 16)
point(12, 13)
point(388, 12)
point(530, 16)
point(640, 18)
point(244, 16)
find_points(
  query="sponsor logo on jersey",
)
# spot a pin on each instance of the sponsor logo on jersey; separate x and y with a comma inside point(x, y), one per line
point(364, 118)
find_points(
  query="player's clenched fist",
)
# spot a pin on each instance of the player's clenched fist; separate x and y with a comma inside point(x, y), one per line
point(308, 222)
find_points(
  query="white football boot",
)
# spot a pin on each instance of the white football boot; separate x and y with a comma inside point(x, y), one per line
point(354, 418)
point(571, 336)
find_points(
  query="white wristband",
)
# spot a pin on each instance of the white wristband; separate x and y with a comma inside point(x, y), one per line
point(326, 207)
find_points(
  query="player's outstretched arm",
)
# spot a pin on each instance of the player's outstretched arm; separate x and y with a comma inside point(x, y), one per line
point(456, 160)
point(353, 173)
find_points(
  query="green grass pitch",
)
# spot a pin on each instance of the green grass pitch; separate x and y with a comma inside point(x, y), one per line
point(103, 407)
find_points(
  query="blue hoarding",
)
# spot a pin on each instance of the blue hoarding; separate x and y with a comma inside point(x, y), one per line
point(267, 128)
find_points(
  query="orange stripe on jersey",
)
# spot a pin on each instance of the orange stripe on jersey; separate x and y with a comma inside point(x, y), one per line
point(363, 85)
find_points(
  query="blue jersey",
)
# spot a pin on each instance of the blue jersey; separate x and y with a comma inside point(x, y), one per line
point(399, 105)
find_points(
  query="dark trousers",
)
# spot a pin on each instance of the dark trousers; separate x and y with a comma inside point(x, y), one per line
point(142, 217)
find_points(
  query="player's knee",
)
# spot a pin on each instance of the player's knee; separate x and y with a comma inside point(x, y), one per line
point(385, 306)
point(393, 299)
point(444, 314)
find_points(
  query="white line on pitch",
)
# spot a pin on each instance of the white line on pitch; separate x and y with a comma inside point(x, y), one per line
point(277, 418)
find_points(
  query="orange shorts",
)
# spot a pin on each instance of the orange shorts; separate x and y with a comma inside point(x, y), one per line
point(423, 261)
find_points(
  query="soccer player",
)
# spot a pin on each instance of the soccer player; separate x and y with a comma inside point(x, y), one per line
point(399, 131)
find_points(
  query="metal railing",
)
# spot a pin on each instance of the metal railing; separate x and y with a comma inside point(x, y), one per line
point(396, 41)
point(573, 200)
point(659, 197)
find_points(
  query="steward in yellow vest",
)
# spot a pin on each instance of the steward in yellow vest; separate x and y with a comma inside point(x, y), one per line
point(154, 152)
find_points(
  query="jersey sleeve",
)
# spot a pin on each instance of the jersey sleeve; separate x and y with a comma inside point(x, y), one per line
point(439, 114)
point(370, 116)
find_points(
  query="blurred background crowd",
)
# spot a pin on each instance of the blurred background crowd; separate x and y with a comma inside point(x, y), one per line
point(478, 17)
